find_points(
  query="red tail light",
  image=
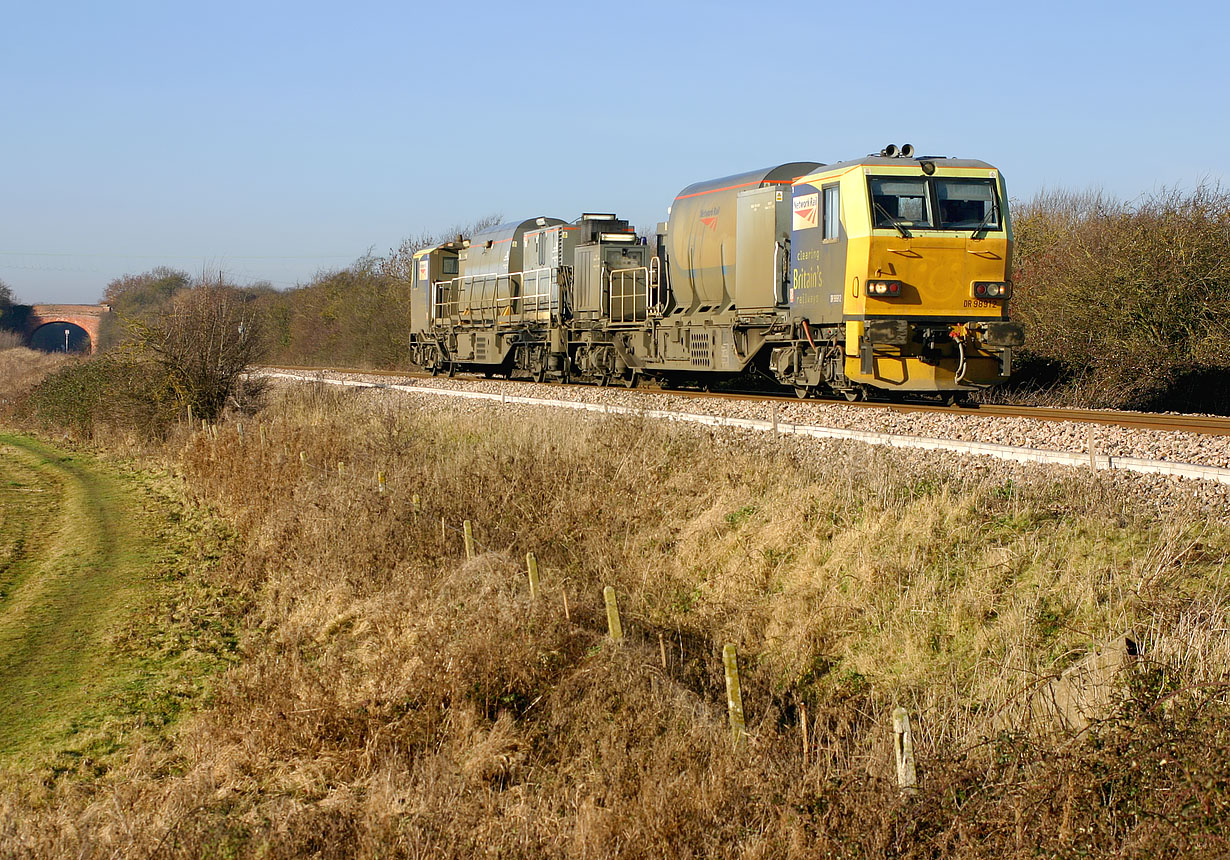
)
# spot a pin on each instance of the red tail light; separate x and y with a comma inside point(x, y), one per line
point(992, 289)
point(884, 289)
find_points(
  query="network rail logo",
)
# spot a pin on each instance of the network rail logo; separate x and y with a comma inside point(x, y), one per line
point(806, 211)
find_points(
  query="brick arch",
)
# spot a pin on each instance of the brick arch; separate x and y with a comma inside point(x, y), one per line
point(87, 317)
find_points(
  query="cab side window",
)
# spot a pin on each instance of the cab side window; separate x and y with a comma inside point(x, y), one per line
point(832, 212)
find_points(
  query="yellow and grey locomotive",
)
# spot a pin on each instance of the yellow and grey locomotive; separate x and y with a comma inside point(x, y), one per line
point(884, 275)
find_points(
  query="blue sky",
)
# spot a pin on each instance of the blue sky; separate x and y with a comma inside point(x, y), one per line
point(275, 140)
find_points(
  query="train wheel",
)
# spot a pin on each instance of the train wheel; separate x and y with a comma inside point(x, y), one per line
point(631, 379)
point(452, 369)
point(801, 391)
point(853, 395)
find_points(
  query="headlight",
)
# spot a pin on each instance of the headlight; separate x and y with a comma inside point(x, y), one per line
point(884, 289)
point(992, 289)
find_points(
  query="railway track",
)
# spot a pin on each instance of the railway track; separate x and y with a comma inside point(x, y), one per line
point(1206, 425)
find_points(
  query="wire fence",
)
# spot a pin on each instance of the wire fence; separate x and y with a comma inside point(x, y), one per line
point(371, 476)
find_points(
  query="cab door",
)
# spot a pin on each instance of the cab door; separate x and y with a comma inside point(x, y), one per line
point(420, 293)
point(819, 247)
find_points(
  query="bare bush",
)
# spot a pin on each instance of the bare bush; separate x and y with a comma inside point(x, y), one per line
point(106, 397)
point(354, 317)
point(1130, 300)
point(11, 340)
point(139, 296)
point(202, 342)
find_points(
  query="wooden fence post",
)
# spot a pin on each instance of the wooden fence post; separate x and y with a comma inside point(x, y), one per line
point(734, 695)
point(907, 776)
point(469, 535)
point(1065, 824)
point(803, 727)
point(612, 615)
point(239, 430)
point(261, 427)
point(531, 564)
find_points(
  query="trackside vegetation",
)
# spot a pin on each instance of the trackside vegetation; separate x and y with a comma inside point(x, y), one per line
point(183, 353)
point(1126, 304)
point(391, 698)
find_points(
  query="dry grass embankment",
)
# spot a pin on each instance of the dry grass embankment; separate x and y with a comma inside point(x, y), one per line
point(395, 699)
point(22, 369)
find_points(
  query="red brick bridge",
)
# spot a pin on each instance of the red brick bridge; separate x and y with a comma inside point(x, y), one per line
point(71, 328)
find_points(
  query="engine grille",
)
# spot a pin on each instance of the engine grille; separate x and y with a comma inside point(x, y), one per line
point(700, 348)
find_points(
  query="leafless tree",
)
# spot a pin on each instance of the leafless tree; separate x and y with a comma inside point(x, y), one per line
point(204, 340)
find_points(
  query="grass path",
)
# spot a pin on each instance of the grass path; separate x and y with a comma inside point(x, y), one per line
point(77, 542)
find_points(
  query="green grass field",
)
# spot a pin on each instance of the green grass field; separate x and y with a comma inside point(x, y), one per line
point(91, 567)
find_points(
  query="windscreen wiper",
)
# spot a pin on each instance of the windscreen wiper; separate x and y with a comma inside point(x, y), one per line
point(985, 222)
point(892, 220)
